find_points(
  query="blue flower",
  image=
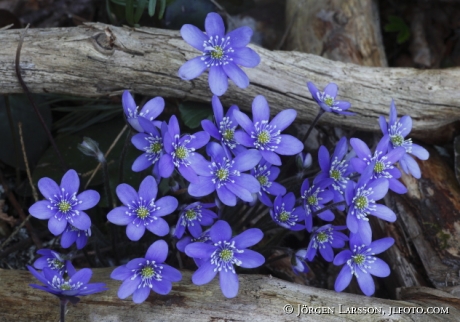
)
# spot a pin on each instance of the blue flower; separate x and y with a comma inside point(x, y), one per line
point(325, 238)
point(226, 125)
point(180, 151)
point(52, 260)
point(64, 205)
point(361, 262)
point(74, 235)
point(193, 217)
point(383, 162)
point(221, 54)
point(314, 198)
point(141, 275)
point(299, 262)
point(141, 210)
point(266, 136)
point(398, 130)
point(225, 252)
point(335, 167)
point(284, 213)
point(326, 99)
point(224, 175)
point(151, 142)
point(150, 111)
point(68, 288)
point(361, 198)
point(265, 173)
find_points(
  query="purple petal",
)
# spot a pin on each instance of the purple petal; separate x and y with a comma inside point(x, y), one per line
point(214, 25)
point(88, 198)
point(365, 231)
point(199, 250)
point(381, 245)
point(126, 194)
point(393, 113)
point(283, 119)
point(327, 253)
point(419, 152)
point(82, 276)
point(40, 210)
point(220, 231)
point(152, 108)
point(244, 121)
point(248, 238)
point(134, 232)
point(148, 189)
point(241, 192)
point(383, 125)
point(141, 163)
point(193, 36)
point(250, 258)
point(341, 149)
point(352, 221)
point(48, 188)
point(209, 127)
point(244, 139)
point(166, 166)
point(342, 257)
point(236, 74)
point(158, 251)
point(128, 103)
point(331, 90)
point(68, 238)
point(289, 145)
point(361, 148)
point(406, 122)
point(228, 283)
point(226, 196)
point(171, 274)
point(247, 160)
point(366, 283)
point(141, 294)
point(324, 158)
point(203, 188)
point(260, 109)
point(218, 81)
point(397, 186)
point(118, 216)
point(379, 268)
point(240, 37)
point(121, 273)
point(128, 287)
point(379, 188)
point(192, 68)
point(343, 279)
point(70, 182)
point(57, 226)
point(409, 165)
point(162, 287)
point(384, 213)
point(82, 221)
point(159, 227)
point(245, 57)
point(204, 274)
point(271, 157)
point(313, 90)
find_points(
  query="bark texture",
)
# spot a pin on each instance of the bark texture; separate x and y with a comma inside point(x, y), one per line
point(100, 60)
point(260, 298)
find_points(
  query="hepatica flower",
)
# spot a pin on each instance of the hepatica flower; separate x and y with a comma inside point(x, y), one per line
point(326, 99)
point(314, 197)
point(74, 235)
point(69, 288)
point(226, 125)
point(150, 111)
point(361, 199)
point(324, 239)
point(383, 162)
point(221, 54)
point(52, 260)
point(141, 211)
point(141, 275)
point(299, 262)
point(265, 135)
point(193, 217)
point(63, 205)
point(284, 213)
point(361, 262)
point(398, 130)
point(223, 254)
point(265, 173)
point(180, 151)
point(224, 175)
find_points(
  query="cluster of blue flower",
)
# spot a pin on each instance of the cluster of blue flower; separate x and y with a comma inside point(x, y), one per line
point(242, 163)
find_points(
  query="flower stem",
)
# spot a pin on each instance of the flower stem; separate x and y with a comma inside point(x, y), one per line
point(63, 307)
point(333, 205)
point(313, 124)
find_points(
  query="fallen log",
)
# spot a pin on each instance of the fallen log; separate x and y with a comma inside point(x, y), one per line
point(260, 298)
point(100, 60)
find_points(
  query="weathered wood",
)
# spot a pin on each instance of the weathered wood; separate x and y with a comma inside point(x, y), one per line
point(341, 30)
point(101, 60)
point(260, 298)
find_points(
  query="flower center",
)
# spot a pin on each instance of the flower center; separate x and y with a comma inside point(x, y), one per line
point(359, 259)
point(66, 287)
point(147, 272)
point(361, 202)
point(181, 152)
point(322, 237)
point(222, 174)
point(379, 167)
point(142, 212)
point(155, 147)
point(226, 255)
point(57, 264)
point(190, 214)
point(335, 174)
point(228, 134)
point(217, 52)
point(312, 200)
point(284, 216)
point(397, 140)
point(64, 206)
point(329, 101)
point(263, 180)
point(263, 137)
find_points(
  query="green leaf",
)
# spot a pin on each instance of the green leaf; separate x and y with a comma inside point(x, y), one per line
point(397, 24)
point(130, 12)
point(141, 4)
point(152, 5)
point(192, 113)
point(162, 8)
